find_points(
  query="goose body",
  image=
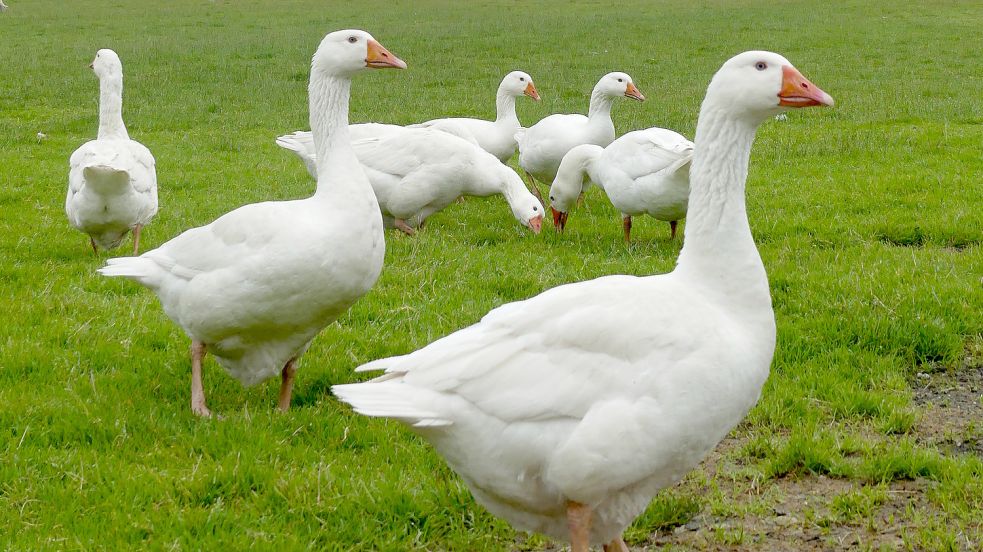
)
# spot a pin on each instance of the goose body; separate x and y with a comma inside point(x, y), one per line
point(416, 172)
point(112, 180)
point(642, 172)
point(496, 137)
point(256, 285)
point(567, 412)
point(543, 145)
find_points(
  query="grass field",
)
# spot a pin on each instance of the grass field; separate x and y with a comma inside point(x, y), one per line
point(869, 433)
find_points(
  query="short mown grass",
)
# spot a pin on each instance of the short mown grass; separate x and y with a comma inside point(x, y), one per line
point(868, 217)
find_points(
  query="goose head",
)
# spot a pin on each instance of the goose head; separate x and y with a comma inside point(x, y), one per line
point(757, 85)
point(346, 52)
point(569, 181)
point(525, 207)
point(563, 196)
point(518, 84)
point(616, 85)
point(107, 64)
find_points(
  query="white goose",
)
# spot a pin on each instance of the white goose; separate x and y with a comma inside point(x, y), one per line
point(112, 182)
point(496, 137)
point(543, 145)
point(256, 285)
point(301, 142)
point(642, 172)
point(417, 172)
point(566, 413)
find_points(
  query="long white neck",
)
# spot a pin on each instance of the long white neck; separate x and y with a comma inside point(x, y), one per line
point(576, 166)
point(505, 107)
point(600, 107)
point(510, 185)
point(336, 161)
point(718, 248)
point(111, 107)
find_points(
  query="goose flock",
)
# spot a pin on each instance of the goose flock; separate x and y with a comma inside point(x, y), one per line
point(564, 413)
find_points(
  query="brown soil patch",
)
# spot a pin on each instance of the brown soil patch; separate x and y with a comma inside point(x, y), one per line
point(793, 513)
point(951, 406)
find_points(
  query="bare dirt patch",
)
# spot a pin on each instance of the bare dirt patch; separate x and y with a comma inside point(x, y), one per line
point(795, 513)
point(951, 406)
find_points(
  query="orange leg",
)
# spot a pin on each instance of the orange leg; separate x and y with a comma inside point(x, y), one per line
point(287, 384)
point(197, 390)
point(406, 228)
point(626, 221)
point(136, 238)
point(617, 545)
point(578, 519)
point(534, 188)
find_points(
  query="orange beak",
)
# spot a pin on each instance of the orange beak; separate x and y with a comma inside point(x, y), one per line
point(531, 91)
point(559, 219)
point(536, 224)
point(378, 57)
point(633, 93)
point(797, 91)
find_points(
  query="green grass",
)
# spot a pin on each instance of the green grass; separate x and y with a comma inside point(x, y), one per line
point(868, 217)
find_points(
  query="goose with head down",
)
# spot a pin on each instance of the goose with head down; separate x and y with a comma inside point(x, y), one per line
point(417, 172)
point(256, 286)
point(567, 412)
point(642, 172)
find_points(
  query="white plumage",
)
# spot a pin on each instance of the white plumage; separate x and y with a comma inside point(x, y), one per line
point(496, 137)
point(567, 412)
point(256, 285)
point(642, 172)
point(112, 180)
point(417, 172)
point(543, 145)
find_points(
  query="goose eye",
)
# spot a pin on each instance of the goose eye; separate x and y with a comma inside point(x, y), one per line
point(761, 66)
point(522, 79)
point(352, 39)
point(535, 208)
point(552, 198)
point(621, 80)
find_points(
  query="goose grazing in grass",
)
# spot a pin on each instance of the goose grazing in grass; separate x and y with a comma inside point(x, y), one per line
point(301, 142)
point(417, 172)
point(642, 172)
point(543, 145)
point(566, 413)
point(496, 137)
point(112, 182)
point(256, 285)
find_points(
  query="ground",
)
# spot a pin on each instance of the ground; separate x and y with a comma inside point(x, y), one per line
point(866, 215)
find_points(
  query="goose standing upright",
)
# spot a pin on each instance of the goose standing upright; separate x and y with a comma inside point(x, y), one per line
point(566, 413)
point(642, 172)
point(543, 145)
point(496, 137)
point(256, 286)
point(112, 181)
point(416, 172)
